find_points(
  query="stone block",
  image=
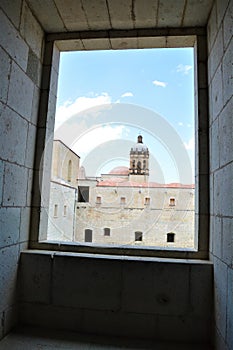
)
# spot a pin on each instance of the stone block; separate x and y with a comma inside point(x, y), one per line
point(120, 324)
point(145, 14)
point(13, 131)
point(97, 14)
point(9, 226)
point(227, 74)
point(214, 145)
point(184, 329)
point(12, 42)
point(228, 24)
point(35, 105)
point(166, 13)
point(34, 68)
point(15, 185)
point(220, 295)
point(20, 89)
point(217, 236)
point(226, 194)
point(212, 27)
point(194, 14)
point(31, 30)
point(201, 297)
point(160, 288)
point(50, 316)
point(35, 278)
point(217, 192)
point(29, 187)
point(5, 65)
point(86, 283)
point(30, 148)
point(24, 224)
point(11, 318)
point(120, 13)
point(12, 10)
point(8, 276)
point(227, 241)
point(225, 134)
point(217, 93)
point(1, 179)
point(229, 337)
point(221, 9)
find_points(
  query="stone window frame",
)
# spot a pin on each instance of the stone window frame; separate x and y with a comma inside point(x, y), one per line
point(116, 39)
point(171, 237)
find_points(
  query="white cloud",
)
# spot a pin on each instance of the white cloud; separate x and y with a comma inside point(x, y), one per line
point(127, 94)
point(180, 124)
point(183, 68)
point(95, 137)
point(159, 83)
point(190, 144)
point(82, 103)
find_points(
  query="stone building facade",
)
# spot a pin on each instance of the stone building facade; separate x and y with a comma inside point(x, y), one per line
point(63, 193)
point(124, 208)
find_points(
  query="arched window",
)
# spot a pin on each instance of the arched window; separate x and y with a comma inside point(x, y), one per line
point(172, 202)
point(69, 171)
point(88, 235)
point(144, 164)
point(139, 167)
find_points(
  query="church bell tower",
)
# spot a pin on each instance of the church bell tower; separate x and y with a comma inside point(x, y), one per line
point(139, 162)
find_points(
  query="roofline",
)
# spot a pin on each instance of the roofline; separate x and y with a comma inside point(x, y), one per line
point(57, 140)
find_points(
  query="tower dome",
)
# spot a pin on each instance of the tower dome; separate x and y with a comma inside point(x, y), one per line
point(139, 146)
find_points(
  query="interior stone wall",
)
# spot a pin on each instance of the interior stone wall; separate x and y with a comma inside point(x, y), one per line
point(21, 50)
point(220, 51)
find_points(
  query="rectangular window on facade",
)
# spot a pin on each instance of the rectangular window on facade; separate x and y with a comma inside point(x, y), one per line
point(55, 210)
point(147, 201)
point(88, 235)
point(64, 210)
point(106, 231)
point(123, 200)
point(83, 194)
point(170, 237)
point(98, 200)
point(172, 202)
point(138, 236)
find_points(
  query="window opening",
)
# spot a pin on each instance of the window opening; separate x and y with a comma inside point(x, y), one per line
point(138, 236)
point(170, 237)
point(69, 171)
point(83, 194)
point(55, 210)
point(133, 182)
point(106, 231)
point(88, 235)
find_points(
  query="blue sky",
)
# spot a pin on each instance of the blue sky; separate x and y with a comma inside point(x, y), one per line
point(160, 80)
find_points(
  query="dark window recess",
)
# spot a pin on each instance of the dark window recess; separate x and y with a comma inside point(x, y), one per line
point(106, 231)
point(171, 237)
point(138, 236)
point(83, 194)
point(88, 235)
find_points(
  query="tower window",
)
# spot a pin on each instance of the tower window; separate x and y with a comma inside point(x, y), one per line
point(138, 236)
point(147, 201)
point(106, 231)
point(172, 202)
point(88, 235)
point(170, 237)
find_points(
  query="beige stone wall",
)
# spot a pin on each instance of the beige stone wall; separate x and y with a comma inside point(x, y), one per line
point(65, 163)
point(125, 217)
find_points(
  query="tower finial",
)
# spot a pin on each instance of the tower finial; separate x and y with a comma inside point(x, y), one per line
point(140, 138)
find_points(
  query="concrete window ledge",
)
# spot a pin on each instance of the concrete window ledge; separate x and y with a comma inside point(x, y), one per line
point(143, 297)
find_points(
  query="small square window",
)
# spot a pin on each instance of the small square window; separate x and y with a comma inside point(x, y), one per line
point(170, 237)
point(138, 236)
